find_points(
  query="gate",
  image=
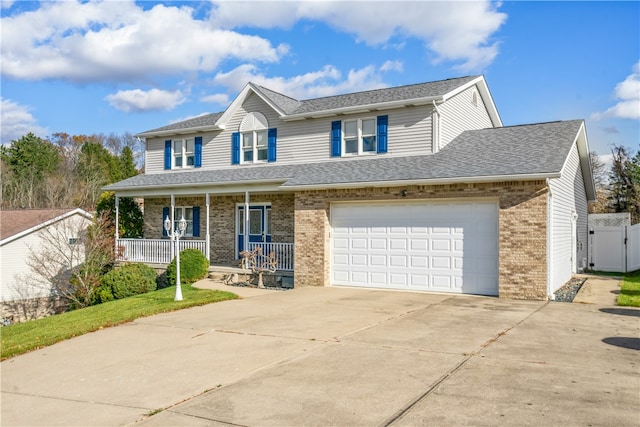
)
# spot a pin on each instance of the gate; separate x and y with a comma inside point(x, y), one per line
point(615, 249)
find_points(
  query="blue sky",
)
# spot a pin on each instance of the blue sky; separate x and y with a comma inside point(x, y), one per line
point(124, 66)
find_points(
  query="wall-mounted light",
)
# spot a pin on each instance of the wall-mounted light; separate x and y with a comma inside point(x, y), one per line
point(403, 193)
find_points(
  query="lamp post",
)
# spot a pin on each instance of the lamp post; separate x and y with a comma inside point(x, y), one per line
point(176, 235)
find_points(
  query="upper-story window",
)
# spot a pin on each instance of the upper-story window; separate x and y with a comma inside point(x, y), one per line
point(359, 136)
point(183, 153)
point(254, 146)
point(255, 142)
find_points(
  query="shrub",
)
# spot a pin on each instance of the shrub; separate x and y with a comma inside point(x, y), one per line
point(129, 279)
point(193, 267)
point(162, 281)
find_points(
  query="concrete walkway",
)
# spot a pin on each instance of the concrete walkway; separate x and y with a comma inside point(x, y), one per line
point(345, 357)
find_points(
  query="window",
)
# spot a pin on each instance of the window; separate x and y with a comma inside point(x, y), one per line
point(183, 153)
point(254, 146)
point(187, 213)
point(360, 136)
point(254, 142)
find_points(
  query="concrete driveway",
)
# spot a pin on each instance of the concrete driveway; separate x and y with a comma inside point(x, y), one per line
point(335, 356)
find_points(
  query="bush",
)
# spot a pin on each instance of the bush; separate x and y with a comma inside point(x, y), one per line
point(162, 281)
point(129, 279)
point(193, 267)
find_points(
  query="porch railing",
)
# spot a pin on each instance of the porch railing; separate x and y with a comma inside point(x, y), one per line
point(153, 251)
point(283, 253)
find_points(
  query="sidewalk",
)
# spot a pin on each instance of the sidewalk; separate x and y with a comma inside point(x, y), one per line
point(601, 290)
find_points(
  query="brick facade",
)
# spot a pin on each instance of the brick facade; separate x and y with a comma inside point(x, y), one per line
point(522, 226)
point(222, 220)
point(303, 219)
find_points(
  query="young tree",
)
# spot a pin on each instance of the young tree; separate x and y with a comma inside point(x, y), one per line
point(71, 259)
point(599, 170)
point(130, 217)
point(624, 182)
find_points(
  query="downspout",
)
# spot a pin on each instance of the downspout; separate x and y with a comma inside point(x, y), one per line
point(436, 129)
point(208, 241)
point(549, 241)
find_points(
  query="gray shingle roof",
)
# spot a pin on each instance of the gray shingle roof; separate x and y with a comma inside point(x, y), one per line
point(196, 122)
point(510, 152)
point(291, 106)
point(378, 96)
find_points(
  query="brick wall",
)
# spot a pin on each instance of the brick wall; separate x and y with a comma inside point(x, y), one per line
point(222, 217)
point(522, 227)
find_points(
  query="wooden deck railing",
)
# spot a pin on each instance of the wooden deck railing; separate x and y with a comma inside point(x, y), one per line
point(153, 251)
point(282, 252)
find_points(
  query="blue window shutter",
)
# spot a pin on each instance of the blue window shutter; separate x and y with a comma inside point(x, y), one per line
point(196, 221)
point(271, 147)
point(336, 138)
point(383, 122)
point(235, 148)
point(167, 154)
point(198, 152)
point(165, 214)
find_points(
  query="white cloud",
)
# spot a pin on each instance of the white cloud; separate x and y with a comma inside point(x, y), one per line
point(17, 121)
point(453, 31)
point(325, 82)
point(627, 93)
point(217, 98)
point(107, 41)
point(6, 4)
point(138, 100)
point(392, 66)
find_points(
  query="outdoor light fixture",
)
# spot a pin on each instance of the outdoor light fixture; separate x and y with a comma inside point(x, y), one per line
point(176, 235)
point(403, 193)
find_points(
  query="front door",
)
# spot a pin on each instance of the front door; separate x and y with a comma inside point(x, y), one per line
point(259, 225)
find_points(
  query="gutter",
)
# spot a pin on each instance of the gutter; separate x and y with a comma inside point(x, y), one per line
point(178, 131)
point(427, 181)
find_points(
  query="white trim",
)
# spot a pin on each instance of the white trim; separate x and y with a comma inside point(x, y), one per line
point(429, 181)
point(221, 123)
point(550, 240)
point(76, 211)
point(184, 131)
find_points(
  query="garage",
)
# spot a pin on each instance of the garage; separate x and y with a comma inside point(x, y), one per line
point(425, 246)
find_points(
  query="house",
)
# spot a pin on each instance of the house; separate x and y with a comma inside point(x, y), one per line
point(416, 187)
point(21, 231)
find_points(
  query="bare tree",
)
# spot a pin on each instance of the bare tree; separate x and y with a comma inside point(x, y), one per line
point(71, 258)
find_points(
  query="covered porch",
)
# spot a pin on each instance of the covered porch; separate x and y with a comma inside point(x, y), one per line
point(221, 224)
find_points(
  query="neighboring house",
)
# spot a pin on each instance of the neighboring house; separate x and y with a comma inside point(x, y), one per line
point(24, 230)
point(416, 187)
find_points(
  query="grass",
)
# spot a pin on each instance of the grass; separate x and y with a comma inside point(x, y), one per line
point(630, 290)
point(24, 337)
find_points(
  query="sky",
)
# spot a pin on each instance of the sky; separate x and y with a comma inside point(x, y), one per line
point(89, 67)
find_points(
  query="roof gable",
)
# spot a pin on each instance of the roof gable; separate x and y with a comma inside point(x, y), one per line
point(289, 108)
point(17, 223)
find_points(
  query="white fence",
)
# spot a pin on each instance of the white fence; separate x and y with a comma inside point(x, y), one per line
point(153, 251)
point(282, 252)
point(614, 249)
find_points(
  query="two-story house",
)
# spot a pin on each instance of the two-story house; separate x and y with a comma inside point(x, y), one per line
point(416, 187)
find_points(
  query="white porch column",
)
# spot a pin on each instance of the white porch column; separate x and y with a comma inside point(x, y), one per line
point(246, 223)
point(117, 223)
point(208, 241)
point(171, 217)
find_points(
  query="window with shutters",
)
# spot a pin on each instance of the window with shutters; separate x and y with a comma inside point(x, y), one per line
point(359, 136)
point(254, 142)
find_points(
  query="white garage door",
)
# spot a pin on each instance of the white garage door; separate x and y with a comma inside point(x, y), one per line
point(435, 246)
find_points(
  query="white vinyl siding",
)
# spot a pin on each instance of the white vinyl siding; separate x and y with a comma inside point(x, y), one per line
point(459, 114)
point(15, 254)
point(568, 196)
point(303, 141)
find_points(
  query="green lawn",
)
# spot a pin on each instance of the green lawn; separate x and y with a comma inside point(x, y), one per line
point(630, 290)
point(23, 337)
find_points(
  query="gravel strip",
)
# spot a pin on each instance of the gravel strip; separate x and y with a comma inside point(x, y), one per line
point(569, 290)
